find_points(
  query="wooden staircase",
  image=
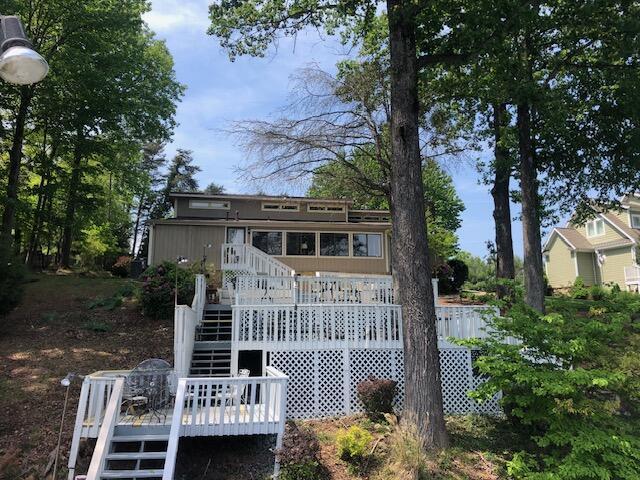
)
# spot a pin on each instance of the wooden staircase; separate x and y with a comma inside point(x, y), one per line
point(212, 347)
point(133, 456)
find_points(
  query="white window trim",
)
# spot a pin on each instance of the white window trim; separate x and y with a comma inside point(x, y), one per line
point(280, 205)
point(635, 216)
point(369, 256)
point(595, 222)
point(282, 239)
point(322, 208)
point(225, 204)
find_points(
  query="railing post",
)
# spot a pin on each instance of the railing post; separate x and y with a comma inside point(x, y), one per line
point(174, 433)
point(77, 429)
point(434, 284)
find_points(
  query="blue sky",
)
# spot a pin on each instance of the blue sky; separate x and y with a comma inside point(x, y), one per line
point(220, 91)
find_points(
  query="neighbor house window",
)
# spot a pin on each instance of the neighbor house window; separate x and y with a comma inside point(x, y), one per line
point(635, 220)
point(367, 245)
point(269, 242)
point(209, 204)
point(334, 244)
point(280, 207)
point(325, 208)
point(301, 243)
point(595, 228)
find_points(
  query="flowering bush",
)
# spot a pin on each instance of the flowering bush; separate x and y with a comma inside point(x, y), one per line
point(159, 286)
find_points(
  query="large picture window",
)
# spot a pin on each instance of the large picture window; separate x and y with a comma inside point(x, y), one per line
point(334, 244)
point(301, 243)
point(367, 245)
point(269, 242)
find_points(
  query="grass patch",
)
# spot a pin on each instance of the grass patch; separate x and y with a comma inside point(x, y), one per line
point(97, 326)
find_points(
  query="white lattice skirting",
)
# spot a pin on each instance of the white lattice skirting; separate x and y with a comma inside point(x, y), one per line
point(322, 383)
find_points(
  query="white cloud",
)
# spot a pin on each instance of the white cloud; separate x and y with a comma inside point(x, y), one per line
point(171, 15)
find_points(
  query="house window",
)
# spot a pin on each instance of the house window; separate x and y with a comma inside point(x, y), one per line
point(334, 244)
point(269, 242)
point(595, 228)
point(301, 243)
point(280, 207)
point(209, 204)
point(367, 245)
point(325, 208)
point(635, 220)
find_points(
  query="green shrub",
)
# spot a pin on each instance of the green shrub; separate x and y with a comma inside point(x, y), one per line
point(451, 276)
point(298, 456)
point(578, 290)
point(596, 292)
point(159, 286)
point(12, 279)
point(353, 447)
point(572, 387)
point(376, 394)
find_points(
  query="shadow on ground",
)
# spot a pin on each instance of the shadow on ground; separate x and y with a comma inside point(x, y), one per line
point(225, 458)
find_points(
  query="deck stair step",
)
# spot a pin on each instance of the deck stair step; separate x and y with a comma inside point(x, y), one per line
point(216, 324)
point(131, 457)
point(132, 474)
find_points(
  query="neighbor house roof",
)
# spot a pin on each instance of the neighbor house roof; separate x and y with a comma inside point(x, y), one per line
point(571, 237)
point(631, 233)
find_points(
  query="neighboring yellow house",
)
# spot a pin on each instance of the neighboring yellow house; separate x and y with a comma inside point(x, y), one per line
point(602, 251)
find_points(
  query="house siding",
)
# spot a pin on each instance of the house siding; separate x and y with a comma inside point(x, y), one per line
point(613, 266)
point(610, 234)
point(252, 210)
point(561, 267)
point(173, 240)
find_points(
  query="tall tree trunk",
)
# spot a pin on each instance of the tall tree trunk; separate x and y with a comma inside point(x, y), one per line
point(505, 265)
point(72, 197)
point(136, 226)
point(15, 160)
point(532, 241)
point(35, 227)
point(423, 393)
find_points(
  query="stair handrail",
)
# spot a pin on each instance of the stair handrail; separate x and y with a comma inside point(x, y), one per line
point(199, 297)
point(111, 416)
point(247, 257)
point(174, 433)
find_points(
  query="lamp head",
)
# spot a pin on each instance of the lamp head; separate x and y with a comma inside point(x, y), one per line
point(19, 62)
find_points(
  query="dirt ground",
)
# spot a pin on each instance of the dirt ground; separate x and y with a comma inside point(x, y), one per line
point(52, 333)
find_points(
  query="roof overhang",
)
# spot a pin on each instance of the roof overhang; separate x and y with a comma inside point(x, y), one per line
point(273, 198)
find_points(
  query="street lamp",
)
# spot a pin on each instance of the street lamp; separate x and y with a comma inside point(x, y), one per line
point(19, 62)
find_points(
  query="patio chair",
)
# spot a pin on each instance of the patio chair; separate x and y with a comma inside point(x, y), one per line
point(228, 398)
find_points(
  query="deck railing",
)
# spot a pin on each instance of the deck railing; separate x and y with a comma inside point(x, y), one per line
point(247, 258)
point(632, 274)
point(94, 398)
point(199, 297)
point(184, 335)
point(290, 327)
point(111, 416)
point(278, 290)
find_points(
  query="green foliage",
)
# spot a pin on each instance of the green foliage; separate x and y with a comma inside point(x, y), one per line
point(12, 279)
point(97, 242)
point(578, 290)
point(376, 394)
point(299, 454)
point(159, 286)
point(353, 446)
point(596, 292)
point(572, 386)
